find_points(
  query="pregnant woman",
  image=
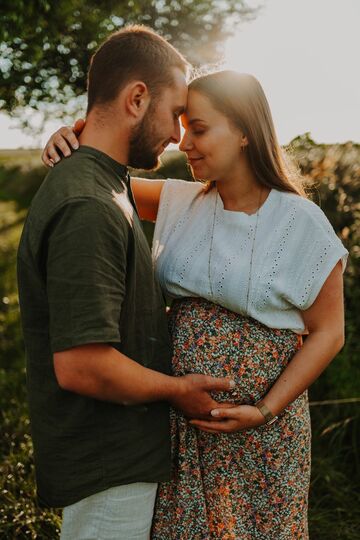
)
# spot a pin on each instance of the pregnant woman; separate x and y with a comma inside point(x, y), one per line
point(252, 266)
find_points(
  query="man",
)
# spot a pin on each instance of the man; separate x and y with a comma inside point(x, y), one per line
point(98, 351)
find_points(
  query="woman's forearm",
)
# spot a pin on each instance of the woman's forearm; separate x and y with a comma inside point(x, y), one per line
point(309, 362)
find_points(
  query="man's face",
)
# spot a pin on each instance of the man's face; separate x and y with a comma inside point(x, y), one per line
point(160, 125)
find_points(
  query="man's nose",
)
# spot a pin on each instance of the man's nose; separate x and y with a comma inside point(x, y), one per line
point(176, 136)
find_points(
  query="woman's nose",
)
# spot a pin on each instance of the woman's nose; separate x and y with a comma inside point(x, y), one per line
point(185, 143)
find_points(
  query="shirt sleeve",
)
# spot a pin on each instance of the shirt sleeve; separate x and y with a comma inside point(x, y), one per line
point(85, 274)
point(317, 251)
point(175, 199)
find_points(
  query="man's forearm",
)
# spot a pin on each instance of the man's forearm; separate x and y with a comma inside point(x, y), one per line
point(102, 372)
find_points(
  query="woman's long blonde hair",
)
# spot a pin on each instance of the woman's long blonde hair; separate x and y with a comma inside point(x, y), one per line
point(240, 97)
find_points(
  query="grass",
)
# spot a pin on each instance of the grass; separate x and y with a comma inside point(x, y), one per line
point(20, 517)
point(334, 512)
point(25, 158)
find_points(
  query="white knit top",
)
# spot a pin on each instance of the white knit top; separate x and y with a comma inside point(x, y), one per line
point(295, 250)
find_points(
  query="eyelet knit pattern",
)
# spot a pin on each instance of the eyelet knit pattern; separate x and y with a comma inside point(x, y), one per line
point(295, 250)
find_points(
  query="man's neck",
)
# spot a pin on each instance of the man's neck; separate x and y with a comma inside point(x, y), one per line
point(106, 139)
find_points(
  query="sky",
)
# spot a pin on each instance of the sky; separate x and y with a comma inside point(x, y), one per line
point(305, 53)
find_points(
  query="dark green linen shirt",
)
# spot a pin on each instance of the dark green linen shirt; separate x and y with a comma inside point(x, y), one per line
point(85, 276)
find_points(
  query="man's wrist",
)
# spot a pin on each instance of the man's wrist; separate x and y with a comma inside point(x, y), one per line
point(174, 388)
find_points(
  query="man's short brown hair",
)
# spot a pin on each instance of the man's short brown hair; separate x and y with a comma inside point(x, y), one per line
point(134, 52)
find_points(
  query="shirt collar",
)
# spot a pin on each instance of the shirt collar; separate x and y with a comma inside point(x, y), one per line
point(120, 169)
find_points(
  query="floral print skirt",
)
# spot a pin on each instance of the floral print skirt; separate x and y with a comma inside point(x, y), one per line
point(248, 485)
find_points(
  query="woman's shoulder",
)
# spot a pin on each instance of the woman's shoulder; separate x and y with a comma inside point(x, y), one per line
point(180, 193)
point(305, 208)
point(183, 186)
point(176, 200)
point(310, 223)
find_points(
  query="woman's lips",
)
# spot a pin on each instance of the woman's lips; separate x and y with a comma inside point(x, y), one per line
point(194, 161)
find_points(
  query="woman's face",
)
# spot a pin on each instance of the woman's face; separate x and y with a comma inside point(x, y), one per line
point(212, 144)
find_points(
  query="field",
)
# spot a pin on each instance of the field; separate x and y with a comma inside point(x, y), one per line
point(335, 488)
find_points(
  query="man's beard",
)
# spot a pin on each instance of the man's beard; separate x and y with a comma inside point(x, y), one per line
point(142, 154)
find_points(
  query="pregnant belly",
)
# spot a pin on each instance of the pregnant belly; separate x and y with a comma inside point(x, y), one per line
point(212, 340)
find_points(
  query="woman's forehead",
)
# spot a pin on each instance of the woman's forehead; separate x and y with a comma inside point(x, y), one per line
point(198, 107)
point(196, 103)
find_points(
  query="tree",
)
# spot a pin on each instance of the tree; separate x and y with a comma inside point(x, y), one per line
point(46, 46)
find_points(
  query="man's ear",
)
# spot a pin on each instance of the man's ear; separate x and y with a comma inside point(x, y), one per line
point(137, 99)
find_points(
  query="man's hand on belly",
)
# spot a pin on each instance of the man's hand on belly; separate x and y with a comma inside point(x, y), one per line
point(192, 395)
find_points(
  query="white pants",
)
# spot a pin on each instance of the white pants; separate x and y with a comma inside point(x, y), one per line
point(119, 513)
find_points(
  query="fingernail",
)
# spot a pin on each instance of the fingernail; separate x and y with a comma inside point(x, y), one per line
point(214, 412)
point(57, 160)
point(76, 146)
point(232, 384)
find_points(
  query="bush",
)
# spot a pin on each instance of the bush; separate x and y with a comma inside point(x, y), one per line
point(20, 517)
point(334, 502)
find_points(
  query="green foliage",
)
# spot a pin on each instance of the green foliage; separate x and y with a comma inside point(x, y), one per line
point(334, 510)
point(20, 516)
point(333, 172)
point(334, 495)
point(19, 185)
point(21, 174)
point(46, 46)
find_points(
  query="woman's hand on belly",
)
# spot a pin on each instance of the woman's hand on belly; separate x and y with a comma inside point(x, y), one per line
point(229, 420)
